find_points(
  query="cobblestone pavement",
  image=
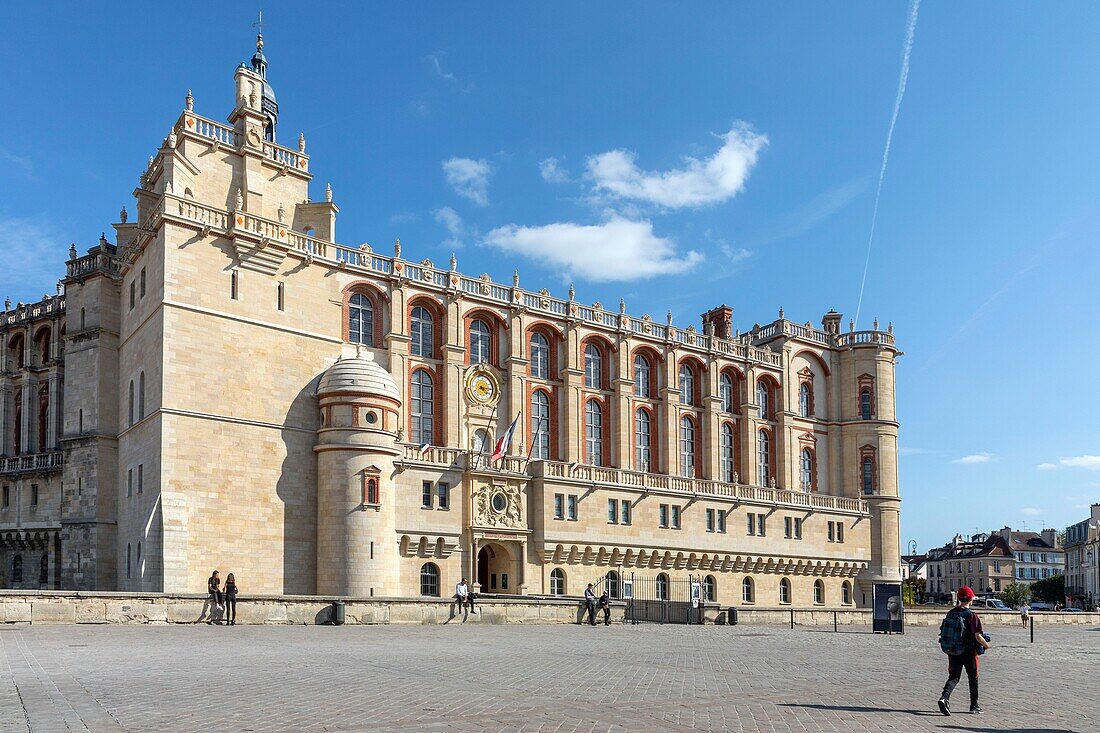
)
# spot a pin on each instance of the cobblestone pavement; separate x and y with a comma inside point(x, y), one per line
point(476, 677)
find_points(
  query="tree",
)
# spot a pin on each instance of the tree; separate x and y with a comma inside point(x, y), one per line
point(1015, 595)
point(1051, 590)
point(912, 590)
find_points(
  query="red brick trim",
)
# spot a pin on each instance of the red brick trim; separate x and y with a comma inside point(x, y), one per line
point(554, 339)
point(439, 321)
point(552, 398)
point(699, 372)
point(495, 324)
point(438, 418)
point(605, 427)
point(868, 452)
point(865, 382)
point(654, 430)
point(605, 349)
point(376, 298)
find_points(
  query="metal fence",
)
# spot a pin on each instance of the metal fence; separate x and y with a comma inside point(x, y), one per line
point(664, 600)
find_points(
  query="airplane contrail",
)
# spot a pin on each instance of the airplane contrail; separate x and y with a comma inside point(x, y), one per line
point(903, 78)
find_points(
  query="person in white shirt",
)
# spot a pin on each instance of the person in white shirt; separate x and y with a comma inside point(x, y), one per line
point(464, 596)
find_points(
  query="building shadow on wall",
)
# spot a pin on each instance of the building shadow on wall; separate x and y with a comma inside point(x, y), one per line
point(297, 490)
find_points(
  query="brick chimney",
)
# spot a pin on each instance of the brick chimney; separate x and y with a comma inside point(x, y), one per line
point(720, 319)
point(1050, 536)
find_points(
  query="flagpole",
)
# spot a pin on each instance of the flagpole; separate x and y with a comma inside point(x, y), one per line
point(490, 435)
point(504, 456)
point(534, 437)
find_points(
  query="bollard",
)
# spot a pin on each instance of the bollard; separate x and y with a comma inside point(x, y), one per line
point(1032, 618)
point(834, 622)
point(792, 618)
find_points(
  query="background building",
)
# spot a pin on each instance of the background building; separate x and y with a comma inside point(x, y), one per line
point(984, 562)
point(1035, 555)
point(243, 393)
point(1082, 565)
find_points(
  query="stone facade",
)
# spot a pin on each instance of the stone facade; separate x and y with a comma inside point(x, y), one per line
point(318, 418)
point(1083, 561)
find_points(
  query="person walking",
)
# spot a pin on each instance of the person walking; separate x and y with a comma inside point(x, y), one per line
point(605, 606)
point(230, 600)
point(213, 587)
point(962, 639)
point(464, 596)
point(590, 602)
point(1025, 614)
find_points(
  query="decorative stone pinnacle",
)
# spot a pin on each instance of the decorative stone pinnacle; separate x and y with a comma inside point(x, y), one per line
point(123, 216)
point(572, 291)
point(72, 251)
point(622, 305)
point(301, 142)
point(328, 192)
point(189, 101)
point(59, 287)
point(150, 161)
point(7, 304)
point(239, 200)
point(103, 239)
point(454, 262)
point(851, 325)
point(397, 248)
point(172, 138)
point(668, 317)
point(875, 327)
point(781, 313)
point(281, 213)
point(515, 278)
point(890, 327)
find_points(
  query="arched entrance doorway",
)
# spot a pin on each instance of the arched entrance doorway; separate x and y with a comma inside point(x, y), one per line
point(496, 569)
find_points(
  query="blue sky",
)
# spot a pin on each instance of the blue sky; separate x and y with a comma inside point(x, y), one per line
point(687, 155)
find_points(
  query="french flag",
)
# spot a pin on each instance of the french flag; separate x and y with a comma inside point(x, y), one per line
point(504, 442)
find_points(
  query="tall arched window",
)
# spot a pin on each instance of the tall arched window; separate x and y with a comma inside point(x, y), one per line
point(141, 396)
point(130, 403)
point(662, 586)
point(805, 399)
point(481, 342)
point(784, 591)
point(687, 385)
point(429, 580)
point(865, 404)
point(540, 425)
point(819, 593)
point(360, 320)
point(806, 470)
point(868, 476)
point(710, 589)
point(687, 446)
point(641, 377)
point(612, 584)
point(727, 452)
point(593, 367)
point(557, 582)
point(846, 593)
point(643, 441)
point(763, 458)
point(17, 569)
point(540, 356)
point(422, 330)
point(422, 429)
point(762, 400)
point(44, 570)
point(593, 433)
point(748, 592)
point(725, 392)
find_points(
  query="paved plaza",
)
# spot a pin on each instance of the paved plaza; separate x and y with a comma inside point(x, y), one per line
point(475, 677)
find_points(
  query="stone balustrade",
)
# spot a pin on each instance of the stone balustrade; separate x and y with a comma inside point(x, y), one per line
point(34, 462)
point(26, 312)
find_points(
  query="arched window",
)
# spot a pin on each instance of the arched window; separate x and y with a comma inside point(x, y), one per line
point(687, 385)
point(727, 452)
point(44, 570)
point(43, 418)
point(540, 356)
point(141, 396)
point(819, 593)
point(614, 590)
point(130, 403)
point(762, 400)
point(593, 433)
point(784, 591)
point(540, 425)
point(422, 328)
point(481, 441)
point(662, 587)
point(16, 348)
point(593, 367)
point(687, 446)
point(641, 377)
point(868, 476)
point(643, 441)
point(806, 470)
point(805, 399)
point(710, 589)
point(422, 429)
point(360, 320)
point(725, 392)
point(481, 342)
point(846, 593)
point(748, 592)
point(17, 569)
point(429, 580)
point(557, 582)
point(865, 404)
point(763, 458)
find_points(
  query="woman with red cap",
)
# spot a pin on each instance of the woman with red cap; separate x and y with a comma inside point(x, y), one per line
point(961, 638)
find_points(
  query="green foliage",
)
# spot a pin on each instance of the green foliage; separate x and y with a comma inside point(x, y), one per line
point(912, 590)
point(1051, 590)
point(1015, 595)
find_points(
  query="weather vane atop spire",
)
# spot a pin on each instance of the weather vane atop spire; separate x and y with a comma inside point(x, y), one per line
point(259, 26)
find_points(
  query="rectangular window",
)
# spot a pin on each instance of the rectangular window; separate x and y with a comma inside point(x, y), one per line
point(721, 521)
point(832, 532)
point(7, 497)
point(625, 506)
point(840, 531)
point(710, 520)
point(752, 524)
point(141, 477)
point(143, 282)
point(559, 506)
point(969, 566)
point(233, 284)
point(980, 564)
point(129, 482)
point(573, 507)
point(370, 491)
point(34, 494)
point(797, 528)
point(443, 494)
point(676, 517)
point(612, 511)
point(279, 295)
point(504, 581)
point(662, 516)
point(426, 495)
point(133, 293)
point(760, 526)
point(787, 528)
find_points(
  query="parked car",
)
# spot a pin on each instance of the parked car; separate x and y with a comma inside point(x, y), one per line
point(1041, 606)
point(994, 603)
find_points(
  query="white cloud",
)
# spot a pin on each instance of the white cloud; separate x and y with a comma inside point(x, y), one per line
point(469, 178)
point(34, 258)
point(450, 219)
point(982, 457)
point(552, 172)
point(618, 249)
point(17, 161)
point(698, 183)
point(1031, 511)
point(436, 65)
point(1089, 463)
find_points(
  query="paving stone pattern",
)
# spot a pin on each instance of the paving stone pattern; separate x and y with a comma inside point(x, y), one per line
point(479, 677)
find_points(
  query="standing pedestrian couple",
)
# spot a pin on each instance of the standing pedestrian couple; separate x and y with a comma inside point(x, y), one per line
point(963, 641)
point(590, 602)
point(218, 595)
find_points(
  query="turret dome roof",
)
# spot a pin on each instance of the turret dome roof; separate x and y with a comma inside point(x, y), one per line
point(360, 374)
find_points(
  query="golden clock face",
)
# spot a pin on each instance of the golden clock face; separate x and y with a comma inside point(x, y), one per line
point(482, 388)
